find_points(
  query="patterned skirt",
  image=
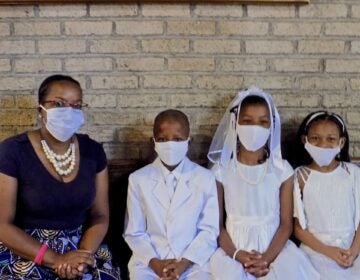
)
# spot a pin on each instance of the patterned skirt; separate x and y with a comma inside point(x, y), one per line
point(61, 241)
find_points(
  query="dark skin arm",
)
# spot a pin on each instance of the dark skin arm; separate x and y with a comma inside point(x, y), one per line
point(245, 258)
point(99, 215)
point(21, 243)
point(98, 225)
point(285, 228)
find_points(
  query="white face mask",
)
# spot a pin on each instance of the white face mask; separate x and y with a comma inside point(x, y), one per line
point(171, 152)
point(252, 137)
point(62, 123)
point(322, 156)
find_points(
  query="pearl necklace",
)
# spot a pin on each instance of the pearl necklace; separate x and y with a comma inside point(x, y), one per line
point(258, 180)
point(59, 162)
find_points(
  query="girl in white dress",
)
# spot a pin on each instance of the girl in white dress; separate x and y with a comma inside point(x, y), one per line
point(327, 198)
point(255, 195)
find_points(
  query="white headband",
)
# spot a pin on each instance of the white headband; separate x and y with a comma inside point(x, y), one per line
point(324, 113)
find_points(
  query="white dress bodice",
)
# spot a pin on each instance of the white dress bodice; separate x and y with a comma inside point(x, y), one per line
point(252, 203)
point(330, 204)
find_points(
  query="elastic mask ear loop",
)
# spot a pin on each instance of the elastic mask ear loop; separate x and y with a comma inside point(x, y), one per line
point(41, 117)
point(42, 107)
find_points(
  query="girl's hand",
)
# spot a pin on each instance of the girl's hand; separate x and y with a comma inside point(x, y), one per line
point(351, 255)
point(258, 266)
point(258, 270)
point(340, 256)
point(246, 258)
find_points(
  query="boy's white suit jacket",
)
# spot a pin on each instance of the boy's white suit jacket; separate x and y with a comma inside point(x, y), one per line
point(185, 227)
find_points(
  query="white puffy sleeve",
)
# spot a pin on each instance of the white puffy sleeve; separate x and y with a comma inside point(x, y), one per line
point(216, 170)
point(299, 211)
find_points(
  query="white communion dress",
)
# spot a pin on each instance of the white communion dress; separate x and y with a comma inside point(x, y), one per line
point(252, 204)
point(329, 208)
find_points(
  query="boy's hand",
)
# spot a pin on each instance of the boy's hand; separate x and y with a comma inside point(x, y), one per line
point(158, 266)
point(176, 269)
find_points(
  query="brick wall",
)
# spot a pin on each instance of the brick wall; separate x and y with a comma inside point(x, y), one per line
point(136, 60)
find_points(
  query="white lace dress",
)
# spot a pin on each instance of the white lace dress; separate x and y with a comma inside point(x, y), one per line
point(253, 217)
point(329, 208)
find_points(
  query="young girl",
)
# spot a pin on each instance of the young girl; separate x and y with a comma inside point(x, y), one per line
point(255, 195)
point(327, 198)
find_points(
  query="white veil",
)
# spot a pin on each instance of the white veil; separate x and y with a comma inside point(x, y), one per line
point(224, 144)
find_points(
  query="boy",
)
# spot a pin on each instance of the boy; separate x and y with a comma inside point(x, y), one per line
point(172, 209)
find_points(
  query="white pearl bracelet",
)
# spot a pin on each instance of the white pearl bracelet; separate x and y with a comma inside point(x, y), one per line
point(235, 253)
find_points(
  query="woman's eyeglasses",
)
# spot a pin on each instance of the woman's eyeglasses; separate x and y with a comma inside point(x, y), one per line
point(63, 104)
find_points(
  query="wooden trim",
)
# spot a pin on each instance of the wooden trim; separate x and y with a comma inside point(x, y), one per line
point(119, 168)
point(28, 2)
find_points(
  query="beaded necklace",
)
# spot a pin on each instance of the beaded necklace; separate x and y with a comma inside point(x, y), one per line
point(63, 164)
point(258, 180)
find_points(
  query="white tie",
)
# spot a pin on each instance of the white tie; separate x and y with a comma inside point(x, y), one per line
point(170, 184)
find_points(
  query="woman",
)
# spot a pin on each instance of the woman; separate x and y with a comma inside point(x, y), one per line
point(54, 194)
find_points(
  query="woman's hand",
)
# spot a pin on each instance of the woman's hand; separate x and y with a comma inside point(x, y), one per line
point(73, 264)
